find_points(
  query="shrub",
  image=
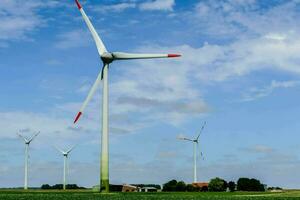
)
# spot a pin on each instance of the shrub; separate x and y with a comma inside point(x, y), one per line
point(60, 187)
point(45, 187)
point(246, 184)
point(170, 186)
point(191, 188)
point(231, 186)
point(204, 189)
point(180, 187)
point(217, 185)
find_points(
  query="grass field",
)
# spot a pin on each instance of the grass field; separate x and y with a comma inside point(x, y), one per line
point(88, 195)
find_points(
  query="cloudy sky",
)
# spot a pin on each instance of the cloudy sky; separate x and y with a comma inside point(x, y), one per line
point(239, 71)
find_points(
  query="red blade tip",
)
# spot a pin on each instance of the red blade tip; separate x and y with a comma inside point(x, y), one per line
point(173, 55)
point(78, 4)
point(77, 117)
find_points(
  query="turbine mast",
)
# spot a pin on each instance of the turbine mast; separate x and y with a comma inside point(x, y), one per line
point(195, 162)
point(65, 170)
point(27, 143)
point(104, 176)
point(26, 166)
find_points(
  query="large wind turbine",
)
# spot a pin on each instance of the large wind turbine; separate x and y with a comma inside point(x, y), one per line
point(27, 143)
point(107, 58)
point(195, 144)
point(65, 154)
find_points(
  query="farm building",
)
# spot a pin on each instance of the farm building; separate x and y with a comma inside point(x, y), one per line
point(129, 188)
point(203, 186)
point(139, 188)
point(148, 189)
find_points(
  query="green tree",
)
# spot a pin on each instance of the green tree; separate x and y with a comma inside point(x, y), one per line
point(191, 188)
point(217, 185)
point(231, 186)
point(57, 187)
point(170, 186)
point(181, 186)
point(246, 184)
point(45, 187)
point(243, 184)
point(204, 189)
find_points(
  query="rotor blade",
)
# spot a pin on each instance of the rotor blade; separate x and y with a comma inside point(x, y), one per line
point(71, 148)
point(188, 139)
point(201, 130)
point(58, 149)
point(128, 56)
point(201, 153)
point(20, 136)
point(100, 46)
point(90, 95)
point(183, 138)
point(34, 136)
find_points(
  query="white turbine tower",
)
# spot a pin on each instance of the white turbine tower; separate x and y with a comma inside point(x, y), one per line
point(65, 154)
point(195, 144)
point(107, 58)
point(27, 143)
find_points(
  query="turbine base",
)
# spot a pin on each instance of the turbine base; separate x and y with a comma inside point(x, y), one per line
point(104, 186)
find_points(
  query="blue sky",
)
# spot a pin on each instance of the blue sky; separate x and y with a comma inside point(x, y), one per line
point(239, 71)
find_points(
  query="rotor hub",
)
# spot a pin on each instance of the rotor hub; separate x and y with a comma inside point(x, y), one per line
point(107, 58)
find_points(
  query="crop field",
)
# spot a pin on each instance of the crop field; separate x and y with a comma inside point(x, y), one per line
point(88, 195)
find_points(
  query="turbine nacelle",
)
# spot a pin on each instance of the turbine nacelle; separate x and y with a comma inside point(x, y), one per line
point(28, 141)
point(107, 58)
point(65, 153)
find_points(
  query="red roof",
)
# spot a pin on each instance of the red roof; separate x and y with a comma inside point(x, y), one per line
point(200, 185)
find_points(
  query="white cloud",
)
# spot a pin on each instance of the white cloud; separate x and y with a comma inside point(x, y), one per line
point(158, 90)
point(53, 62)
point(73, 39)
point(151, 87)
point(165, 89)
point(166, 5)
point(213, 62)
point(256, 93)
point(162, 5)
point(275, 36)
point(242, 19)
point(24, 119)
point(259, 149)
point(115, 7)
point(19, 18)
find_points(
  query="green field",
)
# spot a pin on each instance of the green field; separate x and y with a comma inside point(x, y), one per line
point(86, 195)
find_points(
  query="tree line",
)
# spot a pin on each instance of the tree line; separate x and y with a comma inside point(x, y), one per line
point(60, 187)
point(215, 185)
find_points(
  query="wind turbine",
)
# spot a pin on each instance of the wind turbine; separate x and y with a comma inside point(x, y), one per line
point(107, 58)
point(65, 154)
point(195, 144)
point(27, 143)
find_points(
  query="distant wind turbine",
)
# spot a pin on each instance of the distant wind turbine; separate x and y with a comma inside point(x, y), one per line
point(195, 143)
point(65, 154)
point(27, 143)
point(107, 58)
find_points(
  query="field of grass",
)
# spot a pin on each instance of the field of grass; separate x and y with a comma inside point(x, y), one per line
point(88, 195)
